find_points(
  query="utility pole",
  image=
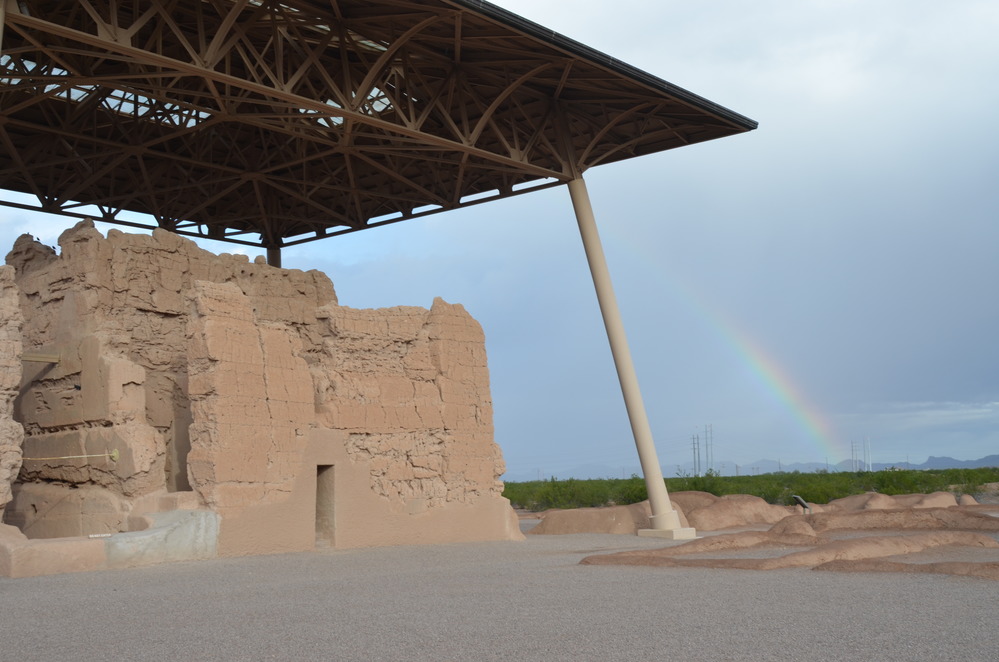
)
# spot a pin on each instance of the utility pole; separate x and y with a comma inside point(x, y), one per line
point(709, 446)
point(695, 444)
point(700, 461)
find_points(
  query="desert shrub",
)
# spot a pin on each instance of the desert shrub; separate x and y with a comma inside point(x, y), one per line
point(629, 490)
point(711, 482)
point(823, 488)
point(520, 494)
point(554, 493)
point(969, 481)
point(775, 488)
point(901, 482)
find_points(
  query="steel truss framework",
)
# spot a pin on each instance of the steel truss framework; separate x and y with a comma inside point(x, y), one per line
point(274, 123)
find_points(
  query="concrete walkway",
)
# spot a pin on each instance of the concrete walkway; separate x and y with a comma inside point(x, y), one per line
point(491, 601)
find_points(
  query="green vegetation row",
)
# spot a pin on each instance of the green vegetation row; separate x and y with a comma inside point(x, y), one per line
point(776, 488)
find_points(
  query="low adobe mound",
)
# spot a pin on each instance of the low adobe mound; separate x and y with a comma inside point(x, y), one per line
point(876, 501)
point(703, 511)
point(942, 531)
point(913, 527)
point(960, 568)
point(928, 518)
point(868, 553)
point(615, 519)
point(707, 512)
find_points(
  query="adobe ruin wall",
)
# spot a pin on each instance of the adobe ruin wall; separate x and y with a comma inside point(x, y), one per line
point(185, 373)
point(11, 433)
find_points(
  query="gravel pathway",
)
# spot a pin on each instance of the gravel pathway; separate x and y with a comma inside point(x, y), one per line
point(492, 601)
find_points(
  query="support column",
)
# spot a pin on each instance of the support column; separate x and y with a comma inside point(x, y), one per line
point(274, 256)
point(665, 522)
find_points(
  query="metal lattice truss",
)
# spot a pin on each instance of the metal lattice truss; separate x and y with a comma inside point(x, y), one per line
point(298, 120)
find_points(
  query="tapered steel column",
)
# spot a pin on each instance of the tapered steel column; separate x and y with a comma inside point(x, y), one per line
point(274, 256)
point(664, 522)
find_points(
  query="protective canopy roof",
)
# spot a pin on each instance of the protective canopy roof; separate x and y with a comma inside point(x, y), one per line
point(273, 123)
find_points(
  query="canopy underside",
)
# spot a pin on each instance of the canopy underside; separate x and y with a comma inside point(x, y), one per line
point(273, 123)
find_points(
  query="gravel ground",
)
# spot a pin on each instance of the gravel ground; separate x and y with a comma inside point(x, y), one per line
point(511, 601)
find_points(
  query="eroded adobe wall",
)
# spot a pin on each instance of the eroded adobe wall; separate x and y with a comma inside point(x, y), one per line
point(406, 390)
point(410, 387)
point(114, 310)
point(238, 380)
point(253, 405)
point(395, 403)
point(11, 432)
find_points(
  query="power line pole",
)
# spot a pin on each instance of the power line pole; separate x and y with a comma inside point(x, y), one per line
point(709, 446)
point(695, 443)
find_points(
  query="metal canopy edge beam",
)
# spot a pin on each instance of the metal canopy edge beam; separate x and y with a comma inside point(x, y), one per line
point(597, 57)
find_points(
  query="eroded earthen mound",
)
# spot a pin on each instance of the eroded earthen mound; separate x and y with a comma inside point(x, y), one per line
point(829, 541)
point(961, 568)
point(734, 510)
point(876, 501)
point(901, 518)
point(615, 519)
point(915, 533)
point(701, 510)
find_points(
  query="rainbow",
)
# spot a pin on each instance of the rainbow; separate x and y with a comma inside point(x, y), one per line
point(772, 377)
point(776, 380)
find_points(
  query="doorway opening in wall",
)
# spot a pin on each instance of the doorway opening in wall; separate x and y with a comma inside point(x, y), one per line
point(178, 438)
point(325, 522)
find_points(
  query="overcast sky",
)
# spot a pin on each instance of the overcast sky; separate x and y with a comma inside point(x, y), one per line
point(824, 280)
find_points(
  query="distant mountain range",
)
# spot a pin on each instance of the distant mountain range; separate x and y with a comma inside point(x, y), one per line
point(752, 468)
point(770, 466)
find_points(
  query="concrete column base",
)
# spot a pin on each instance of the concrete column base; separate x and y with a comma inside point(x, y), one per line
point(682, 533)
point(667, 525)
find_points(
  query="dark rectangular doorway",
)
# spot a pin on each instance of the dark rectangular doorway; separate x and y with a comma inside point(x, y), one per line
point(325, 522)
